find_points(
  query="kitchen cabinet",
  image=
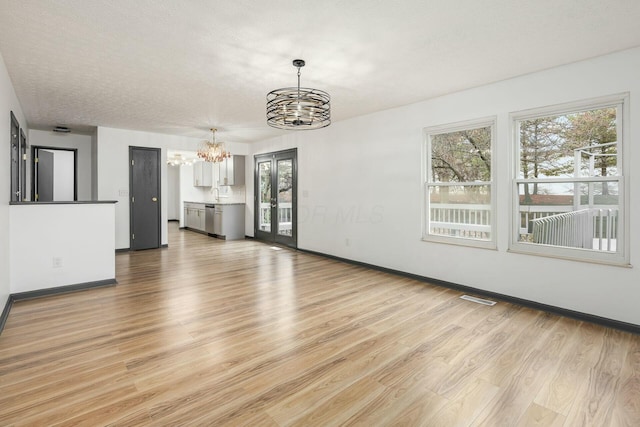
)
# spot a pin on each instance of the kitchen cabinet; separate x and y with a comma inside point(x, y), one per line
point(202, 174)
point(228, 221)
point(232, 171)
point(194, 216)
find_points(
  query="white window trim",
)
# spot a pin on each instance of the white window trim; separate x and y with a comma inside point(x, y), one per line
point(619, 258)
point(426, 182)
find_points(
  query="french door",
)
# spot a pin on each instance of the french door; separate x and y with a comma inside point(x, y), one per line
point(276, 197)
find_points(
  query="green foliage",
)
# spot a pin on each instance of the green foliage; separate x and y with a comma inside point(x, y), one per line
point(548, 144)
point(462, 156)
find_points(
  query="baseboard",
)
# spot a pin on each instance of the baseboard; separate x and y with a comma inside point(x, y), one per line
point(164, 246)
point(603, 321)
point(5, 313)
point(39, 293)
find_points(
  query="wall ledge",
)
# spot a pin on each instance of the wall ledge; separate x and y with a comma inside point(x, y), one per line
point(70, 202)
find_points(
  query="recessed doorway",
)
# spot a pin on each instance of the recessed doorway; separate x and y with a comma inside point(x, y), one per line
point(54, 174)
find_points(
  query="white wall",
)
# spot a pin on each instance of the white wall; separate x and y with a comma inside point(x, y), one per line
point(63, 180)
point(113, 170)
point(60, 245)
point(83, 143)
point(361, 180)
point(8, 102)
point(173, 192)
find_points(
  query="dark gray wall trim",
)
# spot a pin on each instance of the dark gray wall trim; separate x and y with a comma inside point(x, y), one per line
point(5, 313)
point(121, 250)
point(48, 292)
point(603, 321)
point(63, 289)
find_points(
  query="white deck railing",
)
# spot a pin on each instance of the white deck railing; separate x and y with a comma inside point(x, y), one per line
point(586, 228)
point(551, 224)
point(284, 218)
point(528, 213)
point(460, 220)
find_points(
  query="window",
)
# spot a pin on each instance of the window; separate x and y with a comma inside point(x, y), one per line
point(459, 199)
point(569, 182)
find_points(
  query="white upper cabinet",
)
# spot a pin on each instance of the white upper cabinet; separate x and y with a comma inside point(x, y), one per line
point(232, 171)
point(202, 174)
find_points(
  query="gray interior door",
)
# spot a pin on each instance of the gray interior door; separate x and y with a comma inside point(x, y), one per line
point(44, 176)
point(16, 195)
point(144, 184)
point(23, 165)
point(276, 197)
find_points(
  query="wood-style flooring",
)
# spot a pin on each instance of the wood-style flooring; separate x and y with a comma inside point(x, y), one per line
point(208, 332)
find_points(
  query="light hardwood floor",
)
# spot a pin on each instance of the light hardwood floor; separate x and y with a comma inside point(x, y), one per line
point(236, 333)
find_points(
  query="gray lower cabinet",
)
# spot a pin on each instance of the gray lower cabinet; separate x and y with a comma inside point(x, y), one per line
point(228, 222)
point(194, 216)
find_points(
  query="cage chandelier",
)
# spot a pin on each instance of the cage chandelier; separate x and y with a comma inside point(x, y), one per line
point(298, 108)
point(213, 152)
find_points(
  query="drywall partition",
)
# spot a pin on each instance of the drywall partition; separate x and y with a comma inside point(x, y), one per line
point(8, 102)
point(113, 170)
point(360, 191)
point(83, 143)
point(54, 245)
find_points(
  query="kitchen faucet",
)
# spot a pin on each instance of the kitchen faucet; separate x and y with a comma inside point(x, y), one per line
point(217, 193)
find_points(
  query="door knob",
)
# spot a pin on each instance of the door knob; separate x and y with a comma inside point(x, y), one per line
point(154, 199)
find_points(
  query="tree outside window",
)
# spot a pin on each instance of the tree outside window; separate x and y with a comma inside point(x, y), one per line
point(458, 184)
point(569, 179)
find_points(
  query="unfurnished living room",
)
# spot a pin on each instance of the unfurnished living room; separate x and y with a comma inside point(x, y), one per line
point(293, 213)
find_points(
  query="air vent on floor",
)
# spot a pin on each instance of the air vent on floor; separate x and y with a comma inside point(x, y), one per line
point(478, 300)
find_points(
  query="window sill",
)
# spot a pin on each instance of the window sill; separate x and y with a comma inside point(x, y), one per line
point(480, 244)
point(569, 254)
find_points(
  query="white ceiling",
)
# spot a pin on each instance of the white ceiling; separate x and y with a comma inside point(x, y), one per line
point(182, 67)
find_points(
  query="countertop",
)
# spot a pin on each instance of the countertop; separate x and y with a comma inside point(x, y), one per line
point(215, 203)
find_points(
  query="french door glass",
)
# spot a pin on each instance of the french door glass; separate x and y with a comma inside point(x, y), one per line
point(264, 209)
point(285, 197)
point(275, 186)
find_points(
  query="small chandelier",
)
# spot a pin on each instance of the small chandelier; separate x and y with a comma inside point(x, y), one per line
point(178, 160)
point(213, 152)
point(298, 108)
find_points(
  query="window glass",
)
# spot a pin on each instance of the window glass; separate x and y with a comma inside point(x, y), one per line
point(459, 202)
point(568, 182)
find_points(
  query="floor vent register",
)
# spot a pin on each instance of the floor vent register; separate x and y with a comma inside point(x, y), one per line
point(478, 300)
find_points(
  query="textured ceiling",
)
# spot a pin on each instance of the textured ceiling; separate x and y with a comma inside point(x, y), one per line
point(181, 67)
